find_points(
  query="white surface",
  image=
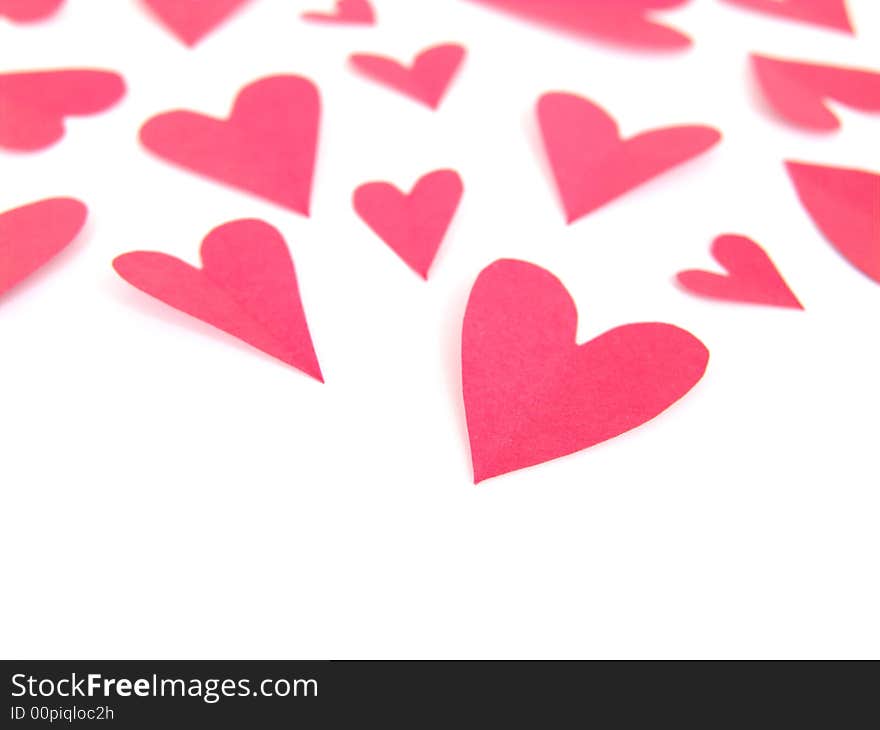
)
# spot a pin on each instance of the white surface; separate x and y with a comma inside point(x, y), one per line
point(169, 492)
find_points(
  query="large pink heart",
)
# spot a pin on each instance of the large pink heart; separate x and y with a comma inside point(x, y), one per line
point(531, 394)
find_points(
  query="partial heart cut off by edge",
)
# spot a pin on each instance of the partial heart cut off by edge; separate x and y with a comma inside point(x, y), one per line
point(347, 12)
point(32, 235)
point(192, 20)
point(845, 205)
point(627, 23)
point(798, 91)
point(828, 13)
point(34, 104)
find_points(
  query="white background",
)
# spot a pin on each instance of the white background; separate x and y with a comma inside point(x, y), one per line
point(169, 492)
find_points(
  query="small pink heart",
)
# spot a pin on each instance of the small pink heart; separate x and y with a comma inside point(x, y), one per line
point(413, 225)
point(752, 277)
point(427, 80)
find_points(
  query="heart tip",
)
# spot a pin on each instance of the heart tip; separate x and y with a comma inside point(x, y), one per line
point(312, 370)
point(478, 476)
point(304, 209)
point(484, 474)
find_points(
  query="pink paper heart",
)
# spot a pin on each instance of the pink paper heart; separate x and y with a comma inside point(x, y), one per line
point(532, 394)
point(33, 105)
point(845, 206)
point(413, 225)
point(797, 91)
point(751, 276)
point(593, 165)
point(267, 146)
point(247, 287)
point(427, 80)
